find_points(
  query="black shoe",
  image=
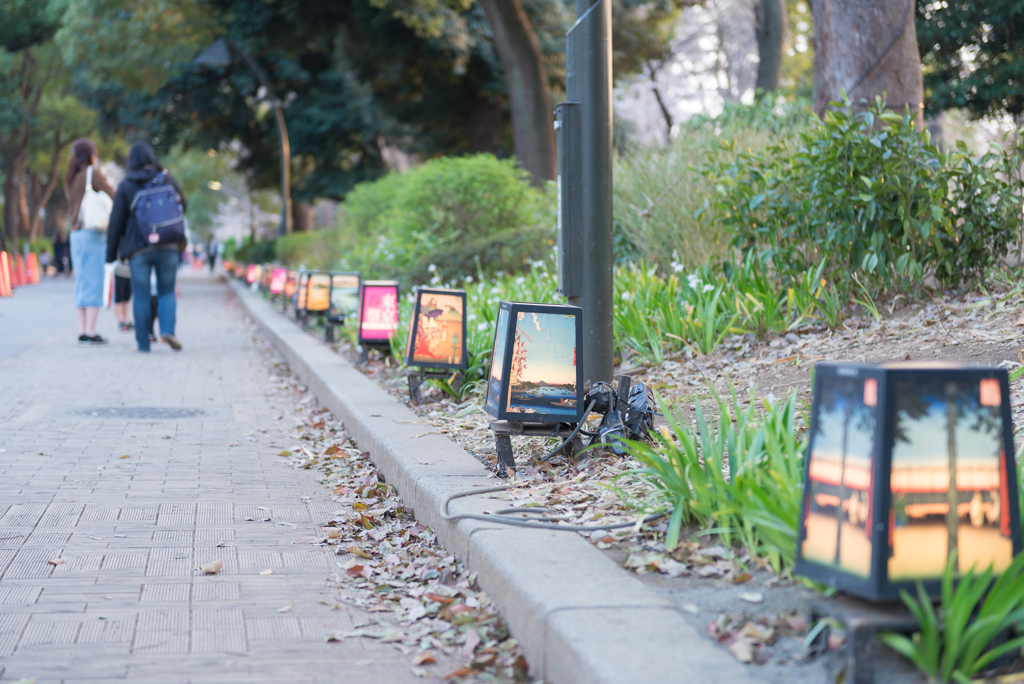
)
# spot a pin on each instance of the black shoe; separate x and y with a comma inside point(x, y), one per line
point(172, 341)
point(84, 339)
point(97, 340)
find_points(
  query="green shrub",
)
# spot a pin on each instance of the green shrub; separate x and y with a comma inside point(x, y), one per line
point(869, 194)
point(659, 194)
point(466, 214)
point(40, 245)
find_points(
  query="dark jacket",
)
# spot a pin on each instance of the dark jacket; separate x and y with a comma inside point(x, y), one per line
point(123, 235)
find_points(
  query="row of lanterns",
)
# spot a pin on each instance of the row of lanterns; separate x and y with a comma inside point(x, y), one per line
point(907, 463)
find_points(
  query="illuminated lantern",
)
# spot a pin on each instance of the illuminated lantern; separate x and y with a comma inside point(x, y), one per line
point(344, 297)
point(254, 274)
point(291, 282)
point(241, 269)
point(300, 294)
point(266, 273)
point(378, 312)
point(907, 463)
point(278, 277)
point(437, 331)
point(534, 375)
point(318, 292)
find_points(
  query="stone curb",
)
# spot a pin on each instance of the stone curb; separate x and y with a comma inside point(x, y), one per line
point(579, 616)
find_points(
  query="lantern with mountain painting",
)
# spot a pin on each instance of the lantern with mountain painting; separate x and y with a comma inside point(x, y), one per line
point(437, 331)
point(907, 465)
point(535, 375)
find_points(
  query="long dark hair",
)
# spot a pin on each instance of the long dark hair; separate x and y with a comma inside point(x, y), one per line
point(82, 152)
point(141, 156)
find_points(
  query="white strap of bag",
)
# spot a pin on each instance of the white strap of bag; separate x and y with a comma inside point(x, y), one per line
point(88, 178)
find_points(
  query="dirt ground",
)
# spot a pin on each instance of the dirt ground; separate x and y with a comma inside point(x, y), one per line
point(758, 617)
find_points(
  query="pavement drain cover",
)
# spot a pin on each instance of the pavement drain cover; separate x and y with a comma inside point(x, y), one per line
point(139, 412)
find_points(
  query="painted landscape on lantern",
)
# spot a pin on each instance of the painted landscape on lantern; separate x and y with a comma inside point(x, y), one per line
point(497, 361)
point(439, 333)
point(344, 294)
point(948, 479)
point(543, 366)
point(839, 501)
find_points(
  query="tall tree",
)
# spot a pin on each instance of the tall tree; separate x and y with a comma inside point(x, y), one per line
point(972, 50)
point(866, 51)
point(770, 27)
point(533, 131)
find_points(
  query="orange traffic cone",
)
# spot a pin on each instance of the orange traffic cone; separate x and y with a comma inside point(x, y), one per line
point(5, 276)
point(32, 269)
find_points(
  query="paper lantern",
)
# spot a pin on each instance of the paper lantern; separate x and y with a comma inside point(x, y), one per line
point(254, 273)
point(907, 463)
point(300, 293)
point(266, 273)
point(291, 281)
point(378, 312)
point(241, 269)
point(318, 292)
point(278, 278)
point(344, 297)
point(534, 375)
point(437, 331)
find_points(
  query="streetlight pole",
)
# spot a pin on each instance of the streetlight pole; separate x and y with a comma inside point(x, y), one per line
point(219, 55)
point(584, 131)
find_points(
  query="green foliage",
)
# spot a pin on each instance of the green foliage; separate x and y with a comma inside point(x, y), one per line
point(740, 479)
point(871, 196)
point(41, 245)
point(992, 33)
point(953, 644)
point(195, 171)
point(465, 214)
point(659, 196)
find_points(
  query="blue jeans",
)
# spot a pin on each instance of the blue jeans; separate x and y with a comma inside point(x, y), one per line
point(165, 263)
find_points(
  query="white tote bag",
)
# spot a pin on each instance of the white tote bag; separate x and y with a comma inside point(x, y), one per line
point(96, 205)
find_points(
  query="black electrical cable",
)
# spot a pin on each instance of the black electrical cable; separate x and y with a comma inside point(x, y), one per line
point(572, 434)
point(499, 517)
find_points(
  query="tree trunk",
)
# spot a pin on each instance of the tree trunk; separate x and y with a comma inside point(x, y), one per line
point(15, 209)
point(771, 27)
point(533, 133)
point(866, 49)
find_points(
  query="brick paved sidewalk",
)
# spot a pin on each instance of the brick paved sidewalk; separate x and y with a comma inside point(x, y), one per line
point(126, 603)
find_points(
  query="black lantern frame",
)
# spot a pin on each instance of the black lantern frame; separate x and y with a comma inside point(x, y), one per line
point(542, 402)
point(342, 287)
point(382, 343)
point(300, 294)
point(418, 328)
point(858, 513)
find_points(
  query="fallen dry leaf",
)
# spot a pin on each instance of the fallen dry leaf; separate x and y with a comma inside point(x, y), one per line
point(55, 561)
point(232, 444)
point(752, 597)
point(268, 571)
point(213, 568)
point(743, 649)
point(356, 551)
point(126, 456)
point(472, 641)
point(461, 672)
point(425, 658)
point(286, 609)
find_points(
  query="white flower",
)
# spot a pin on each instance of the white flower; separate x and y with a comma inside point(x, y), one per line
point(709, 287)
point(471, 317)
point(626, 295)
point(482, 326)
point(469, 279)
point(677, 267)
point(693, 280)
point(520, 280)
point(431, 268)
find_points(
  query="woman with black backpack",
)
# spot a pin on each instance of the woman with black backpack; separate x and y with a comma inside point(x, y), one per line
point(148, 214)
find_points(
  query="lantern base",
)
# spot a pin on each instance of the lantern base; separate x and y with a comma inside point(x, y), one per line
point(862, 620)
point(504, 430)
point(417, 377)
point(365, 347)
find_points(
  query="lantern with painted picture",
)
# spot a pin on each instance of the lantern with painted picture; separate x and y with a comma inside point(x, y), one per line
point(278, 277)
point(241, 269)
point(907, 465)
point(300, 294)
point(344, 297)
point(318, 294)
point(437, 331)
point(255, 272)
point(265, 276)
point(535, 375)
point(378, 313)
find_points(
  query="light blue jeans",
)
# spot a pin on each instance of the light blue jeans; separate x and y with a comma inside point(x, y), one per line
point(88, 251)
point(165, 262)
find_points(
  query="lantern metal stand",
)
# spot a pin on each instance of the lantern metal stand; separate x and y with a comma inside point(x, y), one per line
point(505, 430)
point(417, 376)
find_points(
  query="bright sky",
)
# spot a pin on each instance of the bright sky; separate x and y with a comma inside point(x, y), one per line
point(828, 442)
point(549, 349)
point(928, 443)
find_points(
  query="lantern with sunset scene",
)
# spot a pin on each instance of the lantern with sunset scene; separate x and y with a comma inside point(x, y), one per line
point(907, 464)
point(534, 375)
point(318, 294)
point(378, 313)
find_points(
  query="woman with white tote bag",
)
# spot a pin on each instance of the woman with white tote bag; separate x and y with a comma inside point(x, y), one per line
point(90, 198)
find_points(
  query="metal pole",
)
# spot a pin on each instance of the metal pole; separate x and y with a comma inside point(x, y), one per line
point(592, 87)
point(285, 228)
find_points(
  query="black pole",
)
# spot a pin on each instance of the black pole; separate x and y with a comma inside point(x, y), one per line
point(586, 240)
